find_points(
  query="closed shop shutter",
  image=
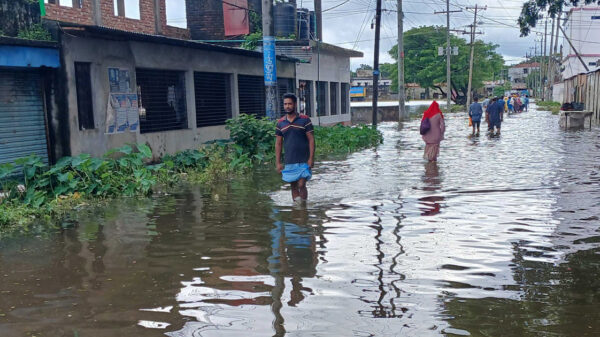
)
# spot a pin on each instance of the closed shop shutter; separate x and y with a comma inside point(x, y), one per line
point(22, 121)
point(251, 91)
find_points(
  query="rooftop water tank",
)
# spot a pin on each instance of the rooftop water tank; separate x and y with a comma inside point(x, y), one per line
point(303, 24)
point(284, 19)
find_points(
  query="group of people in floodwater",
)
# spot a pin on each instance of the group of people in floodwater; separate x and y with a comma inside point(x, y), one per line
point(492, 109)
point(294, 135)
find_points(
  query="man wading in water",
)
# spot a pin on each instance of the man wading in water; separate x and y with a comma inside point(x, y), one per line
point(295, 133)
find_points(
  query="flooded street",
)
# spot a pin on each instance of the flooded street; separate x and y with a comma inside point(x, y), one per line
point(500, 238)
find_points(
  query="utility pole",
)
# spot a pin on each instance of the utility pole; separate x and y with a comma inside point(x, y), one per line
point(573, 47)
point(401, 98)
point(541, 68)
point(269, 60)
point(376, 61)
point(544, 63)
point(550, 68)
point(319, 19)
point(448, 52)
point(473, 32)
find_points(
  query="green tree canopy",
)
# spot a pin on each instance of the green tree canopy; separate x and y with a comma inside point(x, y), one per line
point(422, 64)
point(533, 10)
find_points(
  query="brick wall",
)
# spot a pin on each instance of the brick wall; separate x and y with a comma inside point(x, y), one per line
point(81, 15)
point(146, 23)
point(205, 19)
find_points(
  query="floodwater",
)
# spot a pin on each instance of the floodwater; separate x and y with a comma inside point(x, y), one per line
point(500, 238)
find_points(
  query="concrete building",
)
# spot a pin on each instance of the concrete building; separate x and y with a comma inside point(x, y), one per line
point(582, 26)
point(518, 74)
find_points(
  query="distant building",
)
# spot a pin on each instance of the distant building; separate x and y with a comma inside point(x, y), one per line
point(364, 79)
point(518, 74)
point(582, 26)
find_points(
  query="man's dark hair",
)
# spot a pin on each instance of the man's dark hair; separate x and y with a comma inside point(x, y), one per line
point(475, 98)
point(291, 96)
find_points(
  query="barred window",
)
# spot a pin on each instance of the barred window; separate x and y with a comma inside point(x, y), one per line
point(162, 95)
point(213, 98)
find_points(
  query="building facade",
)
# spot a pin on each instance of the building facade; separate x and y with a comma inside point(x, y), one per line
point(582, 26)
point(518, 74)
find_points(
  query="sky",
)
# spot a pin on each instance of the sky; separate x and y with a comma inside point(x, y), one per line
point(347, 23)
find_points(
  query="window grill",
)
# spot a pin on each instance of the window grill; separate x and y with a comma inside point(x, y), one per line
point(305, 97)
point(333, 97)
point(251, 92)
point(162, 95)
point(321, 98)
point(213, 98)
point(345, 91)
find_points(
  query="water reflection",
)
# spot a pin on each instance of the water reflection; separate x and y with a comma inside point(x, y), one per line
point(431, 204)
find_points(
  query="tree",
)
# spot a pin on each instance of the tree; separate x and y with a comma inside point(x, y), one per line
point(501, 89)
point(533, 10)
point(422, 64)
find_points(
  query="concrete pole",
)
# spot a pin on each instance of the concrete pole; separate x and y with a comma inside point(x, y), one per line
point(401, 92)
point(544, 62)
point(448, 51)
point(269, 60)
point(376, 61)
point(471, 59)
point(319, 19)
point(550, 68)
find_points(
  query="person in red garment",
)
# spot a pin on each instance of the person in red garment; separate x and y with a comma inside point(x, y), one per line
point(435, 135)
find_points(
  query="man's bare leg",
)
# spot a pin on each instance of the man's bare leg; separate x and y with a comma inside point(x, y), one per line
point(295, 191)
point(303, 192)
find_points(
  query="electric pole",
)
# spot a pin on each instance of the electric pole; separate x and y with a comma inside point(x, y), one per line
point(448, 52)
point(550, 67)
point(401, 98)
point(473, 32)
point(376, 61)
point(269, 60)
point(544, 62)
point(319, 19)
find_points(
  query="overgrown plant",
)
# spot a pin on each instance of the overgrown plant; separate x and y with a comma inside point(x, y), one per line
point(35, 32)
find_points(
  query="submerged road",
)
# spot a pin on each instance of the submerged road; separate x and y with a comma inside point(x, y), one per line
point(501, 237)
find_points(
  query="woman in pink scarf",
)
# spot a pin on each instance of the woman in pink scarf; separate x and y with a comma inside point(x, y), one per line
point(435, 134)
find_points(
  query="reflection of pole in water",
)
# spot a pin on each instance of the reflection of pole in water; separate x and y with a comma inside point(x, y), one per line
point(380, 310)
point(401, 277)
point(276, 269)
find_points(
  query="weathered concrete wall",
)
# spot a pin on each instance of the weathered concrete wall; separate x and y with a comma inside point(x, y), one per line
point(16, 15)
point(364, 115)
point(104, 54)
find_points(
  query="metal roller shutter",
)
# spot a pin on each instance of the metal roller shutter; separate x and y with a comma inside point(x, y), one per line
point(22, 120)
point(163, 97)
point(284, 86)
point(251, 91)
point(213, 104)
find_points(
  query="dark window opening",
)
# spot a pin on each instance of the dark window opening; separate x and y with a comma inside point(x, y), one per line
point(162, 96)
point(345, 93)
point(525, 71)
point(305, 97)
point(251, 91)
point(83, 86)
point(284, 86)
point(321, 98)
point(595, 17)
point(213, 98)
point(333, 97)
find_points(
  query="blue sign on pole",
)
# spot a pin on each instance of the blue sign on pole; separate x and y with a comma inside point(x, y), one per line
point(269, 60)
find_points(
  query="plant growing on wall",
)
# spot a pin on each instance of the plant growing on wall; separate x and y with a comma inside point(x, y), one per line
point(35, 32)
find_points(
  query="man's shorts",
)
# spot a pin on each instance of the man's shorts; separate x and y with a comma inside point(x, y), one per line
point(295, 172)
point(496, 124)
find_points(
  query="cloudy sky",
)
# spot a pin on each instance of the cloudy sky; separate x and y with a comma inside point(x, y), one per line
point(347, 23)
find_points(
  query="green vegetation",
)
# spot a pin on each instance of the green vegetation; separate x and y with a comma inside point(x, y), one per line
point(501, 89)
point(44, 195)
point(422, 64)
point(532, 11)
point(553, 107)
point(35, 32)
point(458, 108)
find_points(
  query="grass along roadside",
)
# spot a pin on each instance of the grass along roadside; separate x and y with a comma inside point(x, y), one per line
point(45, 195)
point(551, 106)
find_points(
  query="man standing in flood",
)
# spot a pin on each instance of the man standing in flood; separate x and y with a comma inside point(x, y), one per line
point(496, 115)
point(294, 133)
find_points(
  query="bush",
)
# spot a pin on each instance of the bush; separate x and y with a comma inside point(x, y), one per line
point(35, 32)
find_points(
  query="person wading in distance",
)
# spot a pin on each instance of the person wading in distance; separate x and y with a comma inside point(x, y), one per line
point(294, 133)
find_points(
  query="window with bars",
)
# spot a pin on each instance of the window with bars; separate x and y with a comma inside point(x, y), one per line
point(344, 93)
point(333, 97)
point(162, 95)
point(321, 98)
point(251, 92)
point(305, 97)
point(284, 86)
point(212, 93)
point(83, 86)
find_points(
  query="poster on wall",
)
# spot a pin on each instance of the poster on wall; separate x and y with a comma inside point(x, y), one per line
point(123, 113)
point(119, 80)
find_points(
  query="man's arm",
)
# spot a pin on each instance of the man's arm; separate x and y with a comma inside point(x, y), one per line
point(278, 146)
point(311, 147)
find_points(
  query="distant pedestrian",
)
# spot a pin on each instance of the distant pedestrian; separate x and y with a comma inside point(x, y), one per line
point(496, 115)
point(485, 103)
point(435, 134)
point(475, 112)
point(294, 133)
point(526, 103)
